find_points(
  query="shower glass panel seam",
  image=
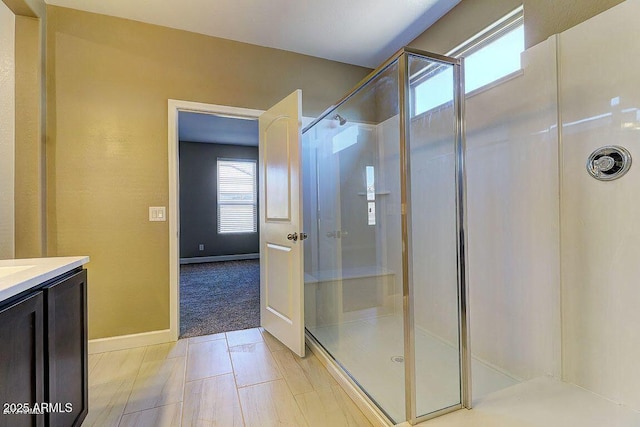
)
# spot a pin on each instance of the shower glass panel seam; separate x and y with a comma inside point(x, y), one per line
point(461, 209)
point(405, 212)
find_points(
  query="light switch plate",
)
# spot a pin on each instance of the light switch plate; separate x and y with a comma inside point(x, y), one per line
point(157, 213)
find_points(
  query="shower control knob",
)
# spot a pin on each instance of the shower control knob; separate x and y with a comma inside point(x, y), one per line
point(609, 163)
point(603, 164)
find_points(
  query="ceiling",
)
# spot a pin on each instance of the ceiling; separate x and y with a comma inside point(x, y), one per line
point(360, 32)
point(201, 127)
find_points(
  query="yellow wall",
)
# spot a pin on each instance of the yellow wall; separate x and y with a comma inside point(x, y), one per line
point(28, 179)
point(29, 213)
point(108, 81)
point(542, 19)
point(31, 8)
point(7, 130)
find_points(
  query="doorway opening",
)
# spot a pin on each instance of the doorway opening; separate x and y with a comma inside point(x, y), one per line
point(213, 209)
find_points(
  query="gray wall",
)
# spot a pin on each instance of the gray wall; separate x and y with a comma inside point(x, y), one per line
point(198, 201)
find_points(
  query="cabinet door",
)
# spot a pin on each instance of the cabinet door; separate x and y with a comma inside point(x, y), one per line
point(66, 350)
point(21, 360)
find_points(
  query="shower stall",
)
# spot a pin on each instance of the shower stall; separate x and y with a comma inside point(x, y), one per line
point(384, 210)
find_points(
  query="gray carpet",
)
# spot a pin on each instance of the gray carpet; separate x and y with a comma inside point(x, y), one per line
point(219, 297)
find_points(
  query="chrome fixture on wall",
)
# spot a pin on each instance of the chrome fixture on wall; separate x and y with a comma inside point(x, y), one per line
point(609, 162)
point(341, 119)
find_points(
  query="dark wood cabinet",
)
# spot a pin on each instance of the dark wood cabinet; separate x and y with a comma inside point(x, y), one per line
point(22, 360)
point(43, 353)
point(66, 350)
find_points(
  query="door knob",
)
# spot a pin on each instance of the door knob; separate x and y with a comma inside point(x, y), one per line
point(303, 236)
point(292, 236)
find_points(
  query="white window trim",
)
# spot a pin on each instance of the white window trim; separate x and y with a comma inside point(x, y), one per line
point(494, 31)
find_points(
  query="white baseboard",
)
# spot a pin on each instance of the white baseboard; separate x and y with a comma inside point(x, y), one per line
point(124, 342)
point(368, 408)
point(217, 258)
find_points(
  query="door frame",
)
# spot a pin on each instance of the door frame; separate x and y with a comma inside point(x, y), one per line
point(173, 214)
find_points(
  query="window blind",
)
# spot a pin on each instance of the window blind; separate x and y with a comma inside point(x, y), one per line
point(237, 196)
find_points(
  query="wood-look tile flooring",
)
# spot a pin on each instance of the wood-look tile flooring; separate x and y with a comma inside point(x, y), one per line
point(240, 378)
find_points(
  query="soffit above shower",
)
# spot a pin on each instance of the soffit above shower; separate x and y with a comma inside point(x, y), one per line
point(359, 32)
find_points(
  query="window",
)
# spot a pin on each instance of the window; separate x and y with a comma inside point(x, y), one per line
point(494, 60)
point(237, 196)
point(489, 55)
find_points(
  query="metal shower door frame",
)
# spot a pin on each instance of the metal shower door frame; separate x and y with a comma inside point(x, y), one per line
point(461, 237)
point(402, 56)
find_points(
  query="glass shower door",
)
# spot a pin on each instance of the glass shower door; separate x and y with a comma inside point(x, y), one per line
point(384, 266)
point(353, 290)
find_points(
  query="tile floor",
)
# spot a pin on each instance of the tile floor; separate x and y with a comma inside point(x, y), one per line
point(241, 378)
point(247, 378)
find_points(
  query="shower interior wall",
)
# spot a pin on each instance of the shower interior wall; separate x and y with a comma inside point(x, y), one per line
point(600, 105)
point(552, 252)
point(513, 226)
point(513, 229)
point(338, 180)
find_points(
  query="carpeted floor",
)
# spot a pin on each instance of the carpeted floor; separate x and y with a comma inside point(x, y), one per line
point(219, 297)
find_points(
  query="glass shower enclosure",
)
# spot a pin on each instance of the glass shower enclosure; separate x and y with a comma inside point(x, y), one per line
point(384, 210)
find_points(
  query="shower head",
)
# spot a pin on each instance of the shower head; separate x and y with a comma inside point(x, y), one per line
point(341, 119)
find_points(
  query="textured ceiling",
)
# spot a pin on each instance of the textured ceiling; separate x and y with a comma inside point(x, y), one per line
point(360, 32)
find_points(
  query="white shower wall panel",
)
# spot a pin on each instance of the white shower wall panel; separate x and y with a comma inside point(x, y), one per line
point(599, 98)
point(389, 240)
point(433, 224)
point(513, 220)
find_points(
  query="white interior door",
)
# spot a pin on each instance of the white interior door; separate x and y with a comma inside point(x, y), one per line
point(281, 246)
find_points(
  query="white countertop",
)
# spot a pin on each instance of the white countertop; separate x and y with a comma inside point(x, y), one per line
point(18, 275)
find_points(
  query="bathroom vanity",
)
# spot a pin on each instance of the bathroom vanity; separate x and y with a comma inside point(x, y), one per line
point(43, 342)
